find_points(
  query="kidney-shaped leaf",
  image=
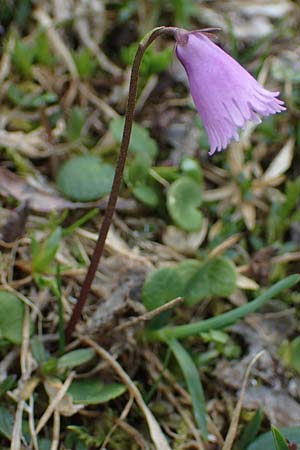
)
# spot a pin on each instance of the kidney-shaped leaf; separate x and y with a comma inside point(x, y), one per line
point(161, 286)
point(183, 200)
point(85, 178)
point(217, 277)
point(92, 391)
point(11, 317)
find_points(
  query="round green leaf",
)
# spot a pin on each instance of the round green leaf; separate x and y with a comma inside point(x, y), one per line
point(161, 286)
point(266, 441)
point(92, 391)
point(183, 200)
point(11, 317)
point(222, 275)
point(198, 286)
point(217, 277)
point(146, 194)
point(85, 178)
point(188, 268)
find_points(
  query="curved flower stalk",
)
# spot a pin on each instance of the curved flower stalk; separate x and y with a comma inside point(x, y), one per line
point(225, 94)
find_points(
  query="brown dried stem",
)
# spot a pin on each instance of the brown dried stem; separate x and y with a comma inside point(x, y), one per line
point(129, 115)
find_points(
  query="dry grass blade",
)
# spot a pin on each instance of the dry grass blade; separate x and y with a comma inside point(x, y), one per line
point(149, 315)
point(31, 144)
point(133, 433)
point(56, 41)
point(156, 433)
point(225, 245)
point(56, 431)
point(246, 283)
point(282, 162)
point(231, 434)
point(17, 430)
point(122, 417)
point(53, 405)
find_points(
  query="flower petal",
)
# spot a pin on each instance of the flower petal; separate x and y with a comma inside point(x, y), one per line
point(225, 94)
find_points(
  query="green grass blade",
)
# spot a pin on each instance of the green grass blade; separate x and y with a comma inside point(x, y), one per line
point(60, 310)
point(193, 382)
point(279, 439)
point(226, 319)
point(250, 431)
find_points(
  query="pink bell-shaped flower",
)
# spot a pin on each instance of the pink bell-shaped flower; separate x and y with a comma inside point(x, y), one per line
point(225, 94)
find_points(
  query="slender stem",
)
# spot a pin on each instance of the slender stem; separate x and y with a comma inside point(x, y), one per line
point(223, 320)
point(108, 216)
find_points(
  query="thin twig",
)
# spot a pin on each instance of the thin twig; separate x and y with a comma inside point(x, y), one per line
point(156, 433)
point(123, 416)
point(56, 430)
point(231, 434)
point(149, 315)
point(54, 404)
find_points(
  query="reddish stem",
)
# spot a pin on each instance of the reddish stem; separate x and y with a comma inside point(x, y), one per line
point(109, 212)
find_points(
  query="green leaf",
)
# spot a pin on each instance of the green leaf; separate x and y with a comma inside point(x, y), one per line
point(217, 277)
point(7, 384)
point(33, 100)
point(11, 317)
point(85, 178)
point(146, 194)
point(279, 439)
point(75, 358)
point(290, 353)
point(138, 169)
point(192, 379)
point(161, 286)
point(22, 58)
point(266, 441)
point(75, 124)
point(42, 51)
point(6, 423)
point(137, 179)
point(38, 349)
point(92, 391)
point(183, 200)
point(85, 63)
point(140, 141)
point(43, 254)
point(188, 268)
point(169, 173)
point(250, 430)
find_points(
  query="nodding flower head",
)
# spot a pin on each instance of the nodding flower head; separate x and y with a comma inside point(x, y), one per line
point(225, 94)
